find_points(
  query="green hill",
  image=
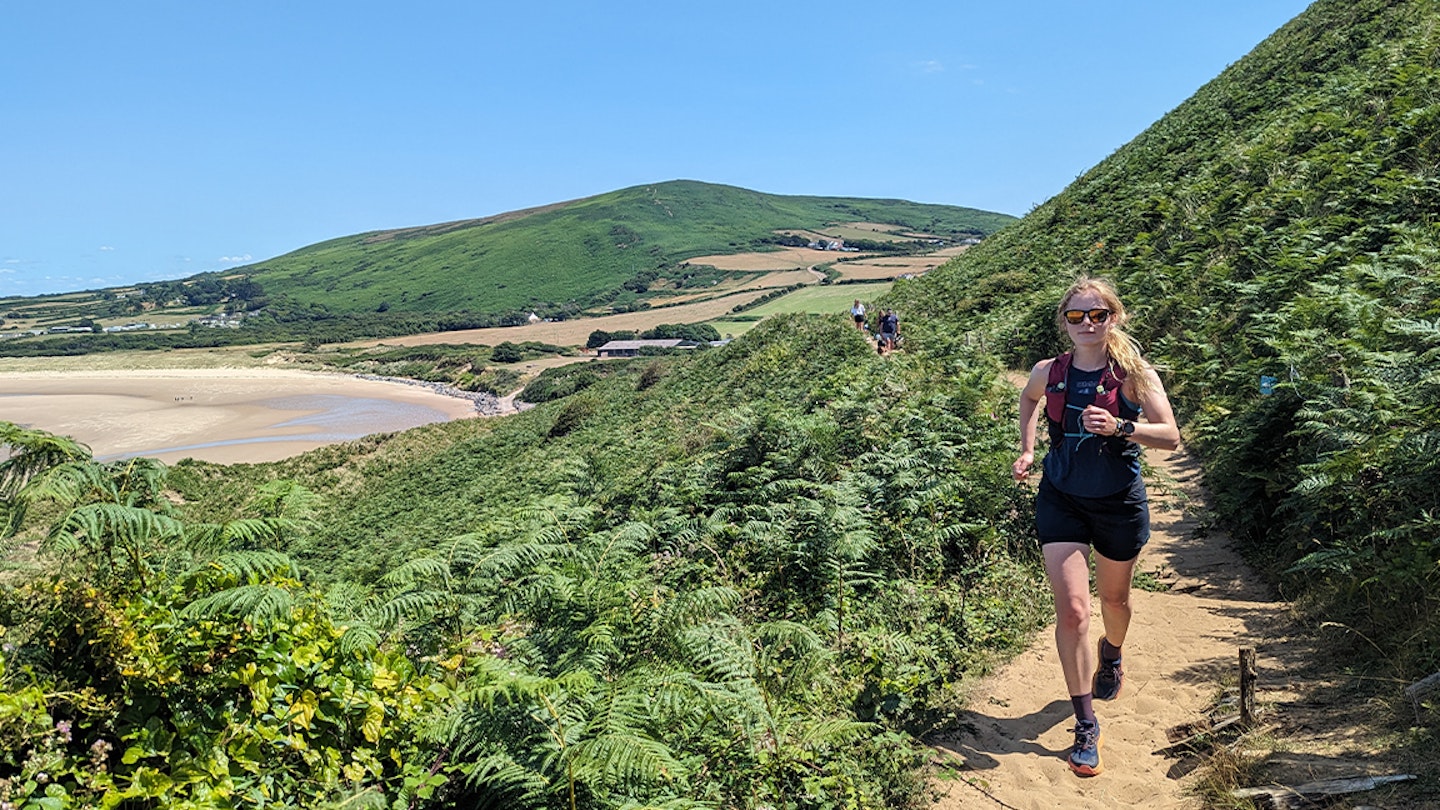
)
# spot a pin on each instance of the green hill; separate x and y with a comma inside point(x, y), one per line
point(617, 252)
point(575, 255)
point(1282, 223)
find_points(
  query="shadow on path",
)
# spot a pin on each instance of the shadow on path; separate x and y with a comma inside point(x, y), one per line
point(982, 735)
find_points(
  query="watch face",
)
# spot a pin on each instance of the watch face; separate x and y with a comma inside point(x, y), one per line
point(1128, 427)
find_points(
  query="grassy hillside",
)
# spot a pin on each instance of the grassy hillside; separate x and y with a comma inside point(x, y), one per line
point(740, 577)
point(753, 577)
point(576, 254)
point(1281, 223)
point(625, 251)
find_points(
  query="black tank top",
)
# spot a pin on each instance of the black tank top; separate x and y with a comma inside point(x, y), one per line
point(1086, 464)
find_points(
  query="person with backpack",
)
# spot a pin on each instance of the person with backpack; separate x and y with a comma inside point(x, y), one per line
point(1091, 495)
point(889, 331)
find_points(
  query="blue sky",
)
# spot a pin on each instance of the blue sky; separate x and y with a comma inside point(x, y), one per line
point(150, 140)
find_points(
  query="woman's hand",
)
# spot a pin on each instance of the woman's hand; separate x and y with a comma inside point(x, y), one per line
point(1097, 420)
point(1021, 469)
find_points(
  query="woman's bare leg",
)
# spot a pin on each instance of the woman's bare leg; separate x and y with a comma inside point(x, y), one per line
point(1068, 567)
point(1112, 584)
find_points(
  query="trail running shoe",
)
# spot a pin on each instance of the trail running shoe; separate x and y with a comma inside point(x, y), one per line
point(1109, 675)
point(1085, 756)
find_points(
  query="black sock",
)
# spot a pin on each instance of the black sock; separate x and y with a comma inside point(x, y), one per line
point(1084, 706)
point(1109, 652)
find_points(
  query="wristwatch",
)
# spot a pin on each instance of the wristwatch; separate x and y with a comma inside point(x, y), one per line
point(1124, 428)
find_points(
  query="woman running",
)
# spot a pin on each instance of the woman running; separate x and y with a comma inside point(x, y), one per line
point(1091, 494)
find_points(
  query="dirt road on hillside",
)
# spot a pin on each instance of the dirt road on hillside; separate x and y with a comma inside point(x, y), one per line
point(1182, 649)
point(574, 332)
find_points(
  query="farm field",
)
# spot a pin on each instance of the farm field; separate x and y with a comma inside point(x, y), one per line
point(821, 299)
point(759, 281)
point(817, 298)
point(849, 266)
point(884, 267)
point(575, 332)
point(787, 259)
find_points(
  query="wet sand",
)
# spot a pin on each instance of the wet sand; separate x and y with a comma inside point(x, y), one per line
point(220, 415)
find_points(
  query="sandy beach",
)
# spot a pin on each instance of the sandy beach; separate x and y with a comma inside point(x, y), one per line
point(220, 415)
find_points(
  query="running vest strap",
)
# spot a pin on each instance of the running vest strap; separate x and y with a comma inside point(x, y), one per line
point(1081, 463)
point(1107, 393)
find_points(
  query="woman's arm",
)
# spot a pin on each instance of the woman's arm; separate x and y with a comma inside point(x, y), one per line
point(1030, 398)
point(1159, 429)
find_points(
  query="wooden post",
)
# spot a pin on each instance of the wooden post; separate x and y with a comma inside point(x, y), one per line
point(1420, 687)
point(1284, 797)
point(1247, 686)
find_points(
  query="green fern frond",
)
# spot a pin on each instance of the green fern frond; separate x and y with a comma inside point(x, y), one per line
point(667, 804)
point(504, 784)
point(959, 531)
point(1314, 484)
point(96, 523)
point(791, 635)
point(1330, 560)
point(418, 606)
point(68, 484)
point(512, 559)
point(719, 652)
point(549, 535)
point(31, 452)
point(285, 499)
point(793, 649)
point(359, 639)
point(255, 567)
point(893, 645)
point(676, 695)
point(626, 759)
point(499, 681)
point(464, 550)
point(832, 731)
point(139, 482)
point(631, 538)
point(256, 603)
point(347, 598)
point(690, 607)
point(245, 533)
point(423, 569)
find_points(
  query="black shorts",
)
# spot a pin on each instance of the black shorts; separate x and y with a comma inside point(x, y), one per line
point(1117, 526)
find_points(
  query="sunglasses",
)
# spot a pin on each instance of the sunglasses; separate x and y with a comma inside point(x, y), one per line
point(1078, 316)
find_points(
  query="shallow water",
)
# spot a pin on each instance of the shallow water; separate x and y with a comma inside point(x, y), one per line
point(330, 418)
point(341, 416)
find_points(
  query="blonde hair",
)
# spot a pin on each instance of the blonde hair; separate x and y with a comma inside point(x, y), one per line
point(1124, 350)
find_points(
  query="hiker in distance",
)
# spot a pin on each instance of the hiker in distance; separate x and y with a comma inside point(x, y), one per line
point(1091, 494)
point(889, 331)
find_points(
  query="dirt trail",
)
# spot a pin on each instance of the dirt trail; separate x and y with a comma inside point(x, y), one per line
point(1182, 647)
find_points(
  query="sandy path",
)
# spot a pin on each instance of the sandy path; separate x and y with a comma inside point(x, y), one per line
point(1183, 645)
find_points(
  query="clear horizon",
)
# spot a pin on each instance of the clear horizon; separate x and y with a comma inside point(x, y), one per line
point(150, 144)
